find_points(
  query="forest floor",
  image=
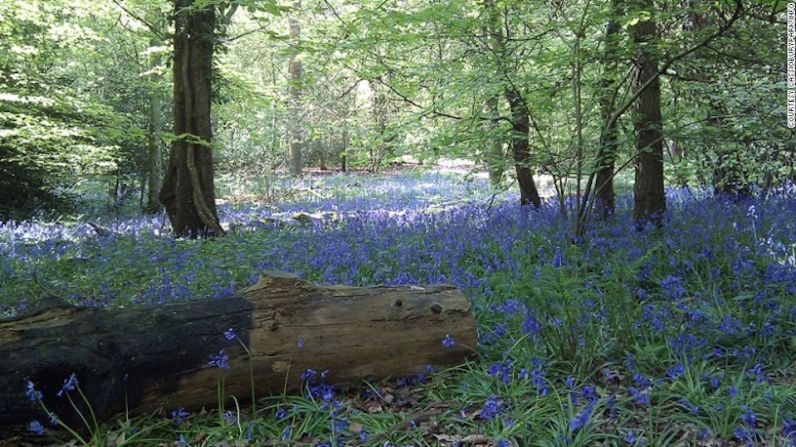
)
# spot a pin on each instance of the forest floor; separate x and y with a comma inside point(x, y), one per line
point(684, 336)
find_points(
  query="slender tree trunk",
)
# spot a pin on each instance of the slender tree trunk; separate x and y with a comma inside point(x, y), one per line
point(606, 156)
point(344, 156)
point(188, 190)
point(649, 197)
point(296, 72)
point(520, 122)
point(154, 127)
point(494, 156)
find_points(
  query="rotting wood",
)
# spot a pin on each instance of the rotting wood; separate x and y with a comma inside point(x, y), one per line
point(157, 356)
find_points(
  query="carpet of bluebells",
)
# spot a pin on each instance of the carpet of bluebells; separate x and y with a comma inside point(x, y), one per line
point(680, 336)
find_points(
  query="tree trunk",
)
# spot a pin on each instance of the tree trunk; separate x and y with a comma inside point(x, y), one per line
point(344, 156)
point(144, 358)
point(154, 127)
point(520, 122)
point(606, 156)
point(494, 156)
point(649, 197)
point(188, 190)
point(296, 73)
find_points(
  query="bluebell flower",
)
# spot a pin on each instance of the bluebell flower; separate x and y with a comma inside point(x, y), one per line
point(286, 433)
point(229, 417)
point(503, 442)
point(630, 438)
point(300, 343)
point(229, 334)
point(280, 412)
point(69, 385)
point(748, 417)
point(31, 392)
point(789, 428)
point(249, 430)
point(675, 372)
point(492, 408)
point(309, 374)
point(179, 415)
point(580, 419)
point(448, 341)
point(501, 370)
point(219, 360)
point(36, 427)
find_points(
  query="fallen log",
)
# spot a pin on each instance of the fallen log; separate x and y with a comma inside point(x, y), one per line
point(144, 358)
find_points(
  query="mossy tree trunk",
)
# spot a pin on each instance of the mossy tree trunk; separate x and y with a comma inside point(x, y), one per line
point(188, 190)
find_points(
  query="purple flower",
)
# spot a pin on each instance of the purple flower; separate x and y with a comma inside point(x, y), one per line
point(280, 413)
point(179, 415)
point(300, 343)
point(286, 433)
point(31, 392)
point(492, 408)
point(630, 438)
point(748, 417)
point(230, 417)
point(789, 428)
point(36, 427)
point(501, 370)
point(69, 385)
point(219, 360)
point(675, 372)
point(229, 334)
point(448, 341)
point(308, 375)
point(581, 419)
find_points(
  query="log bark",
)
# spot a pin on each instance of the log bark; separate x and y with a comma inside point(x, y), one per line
point(157, 356)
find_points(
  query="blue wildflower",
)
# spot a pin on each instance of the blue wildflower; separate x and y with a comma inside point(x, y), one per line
point(501, 370)
point(748, 417)
point(229, 334)
point(675, 372)
point(300, 343)
point(492, 408)
point(448, 341)
point(229, 417)
point(789, 428)
point(69, 385)
point(219, 360)
point(581, 419)
point(179, 415)
point(36, 427)
point(280, 413)
point(286, 433)
point(31, 392)
point(630, 437)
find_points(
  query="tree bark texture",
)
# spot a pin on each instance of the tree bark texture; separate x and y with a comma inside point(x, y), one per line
point(606, 156)
point(154, 128)
point(649, 197)
point(520, 123)
point(188, 190)
point(296, 72)
point(157, 356)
